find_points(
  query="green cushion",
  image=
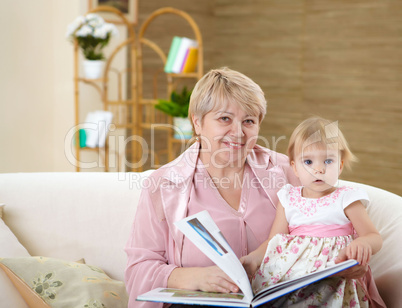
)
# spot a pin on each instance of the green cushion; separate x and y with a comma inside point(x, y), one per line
point(61, 283)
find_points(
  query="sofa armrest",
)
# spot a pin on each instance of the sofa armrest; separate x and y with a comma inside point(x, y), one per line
point(385, 210)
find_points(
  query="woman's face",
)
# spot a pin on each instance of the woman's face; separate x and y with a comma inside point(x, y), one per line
point(227, 134)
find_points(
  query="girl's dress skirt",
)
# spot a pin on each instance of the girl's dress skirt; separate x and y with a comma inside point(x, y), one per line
point(292, 256)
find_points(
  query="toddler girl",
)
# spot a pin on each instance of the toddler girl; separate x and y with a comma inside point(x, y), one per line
point(315, 221)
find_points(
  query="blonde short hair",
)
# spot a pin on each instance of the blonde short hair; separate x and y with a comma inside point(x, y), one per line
point(224, 86)
point(319, 132)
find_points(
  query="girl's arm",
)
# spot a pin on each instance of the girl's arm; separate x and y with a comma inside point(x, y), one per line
point(253, 260)
point(369, 241)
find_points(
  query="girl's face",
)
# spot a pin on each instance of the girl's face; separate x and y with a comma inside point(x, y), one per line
point(318, 168)
point(227, 134)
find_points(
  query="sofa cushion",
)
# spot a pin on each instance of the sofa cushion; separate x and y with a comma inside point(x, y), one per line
point(49, 282)
point(10, 247)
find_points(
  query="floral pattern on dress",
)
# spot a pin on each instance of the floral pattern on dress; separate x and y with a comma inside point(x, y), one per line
point(309, 206)
point(291, 256)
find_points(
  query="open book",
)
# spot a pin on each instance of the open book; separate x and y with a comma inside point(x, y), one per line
point(204, 233)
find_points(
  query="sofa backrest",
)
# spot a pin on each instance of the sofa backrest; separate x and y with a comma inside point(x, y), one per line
point(73, 215)
point(89, 215)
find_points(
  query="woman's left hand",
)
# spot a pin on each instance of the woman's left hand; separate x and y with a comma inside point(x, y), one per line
point(355, 272)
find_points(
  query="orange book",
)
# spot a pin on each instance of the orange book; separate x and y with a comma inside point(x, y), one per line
point(191, 60)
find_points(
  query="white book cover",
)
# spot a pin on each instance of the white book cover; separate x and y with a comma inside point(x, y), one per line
point(104, 126)
point(185, 44)
point(96, 127)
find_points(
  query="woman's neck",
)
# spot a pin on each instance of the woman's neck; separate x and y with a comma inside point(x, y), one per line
point(227, 174)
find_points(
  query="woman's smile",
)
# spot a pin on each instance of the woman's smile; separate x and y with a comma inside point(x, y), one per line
point(233, 145)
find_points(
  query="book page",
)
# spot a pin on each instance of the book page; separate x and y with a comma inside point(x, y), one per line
point(177, 296)
point(285, 287)
point(205, 234)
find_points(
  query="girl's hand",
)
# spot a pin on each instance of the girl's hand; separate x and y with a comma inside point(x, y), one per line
point(355, 272)
point(359, 250)
point(208, 279)
point(368, 243)
point(251, 263)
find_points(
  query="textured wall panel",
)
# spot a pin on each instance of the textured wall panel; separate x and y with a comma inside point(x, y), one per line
point(338, 59)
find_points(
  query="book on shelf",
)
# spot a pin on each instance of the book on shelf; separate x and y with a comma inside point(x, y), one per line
point(190, 61)
point(185, 44)
point(174, 47)
point(204, 233)
point(96, 126)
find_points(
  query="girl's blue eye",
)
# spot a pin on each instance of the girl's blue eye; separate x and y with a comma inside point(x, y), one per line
point(308, 162)
point(328, 161)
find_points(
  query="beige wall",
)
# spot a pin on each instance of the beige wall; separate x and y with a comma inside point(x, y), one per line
point(36, 108)
point(64, 11)
point(337, 59)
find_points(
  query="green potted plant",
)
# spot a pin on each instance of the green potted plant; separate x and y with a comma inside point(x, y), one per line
point(92, 34)
point(177, 107)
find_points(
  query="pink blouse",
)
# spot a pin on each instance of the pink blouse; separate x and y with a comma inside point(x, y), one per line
point(243, 229)
point(156, 247)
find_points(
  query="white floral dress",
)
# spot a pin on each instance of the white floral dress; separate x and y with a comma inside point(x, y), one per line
point(319, 229)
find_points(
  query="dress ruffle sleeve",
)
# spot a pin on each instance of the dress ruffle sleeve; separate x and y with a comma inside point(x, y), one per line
point(283, 194)
point(354, 194)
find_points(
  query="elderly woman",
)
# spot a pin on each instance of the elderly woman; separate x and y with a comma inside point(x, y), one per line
point(224, 172)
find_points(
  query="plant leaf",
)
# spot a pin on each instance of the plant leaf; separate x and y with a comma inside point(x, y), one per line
point(178, 104)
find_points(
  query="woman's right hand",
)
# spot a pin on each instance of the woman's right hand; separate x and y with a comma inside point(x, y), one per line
point(208, 279)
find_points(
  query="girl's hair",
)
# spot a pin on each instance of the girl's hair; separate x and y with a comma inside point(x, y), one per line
point(224, 86)
point(318, 132)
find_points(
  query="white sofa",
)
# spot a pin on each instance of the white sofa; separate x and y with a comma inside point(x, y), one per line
point(89, 215)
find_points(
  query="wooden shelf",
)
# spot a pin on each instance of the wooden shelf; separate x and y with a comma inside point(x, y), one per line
point(123, 118)
point(86, 80)
point(156, 127)
point(148, 101)
point(147, 114)
point(139, 113)
point(92, 149)
point(184, 75)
